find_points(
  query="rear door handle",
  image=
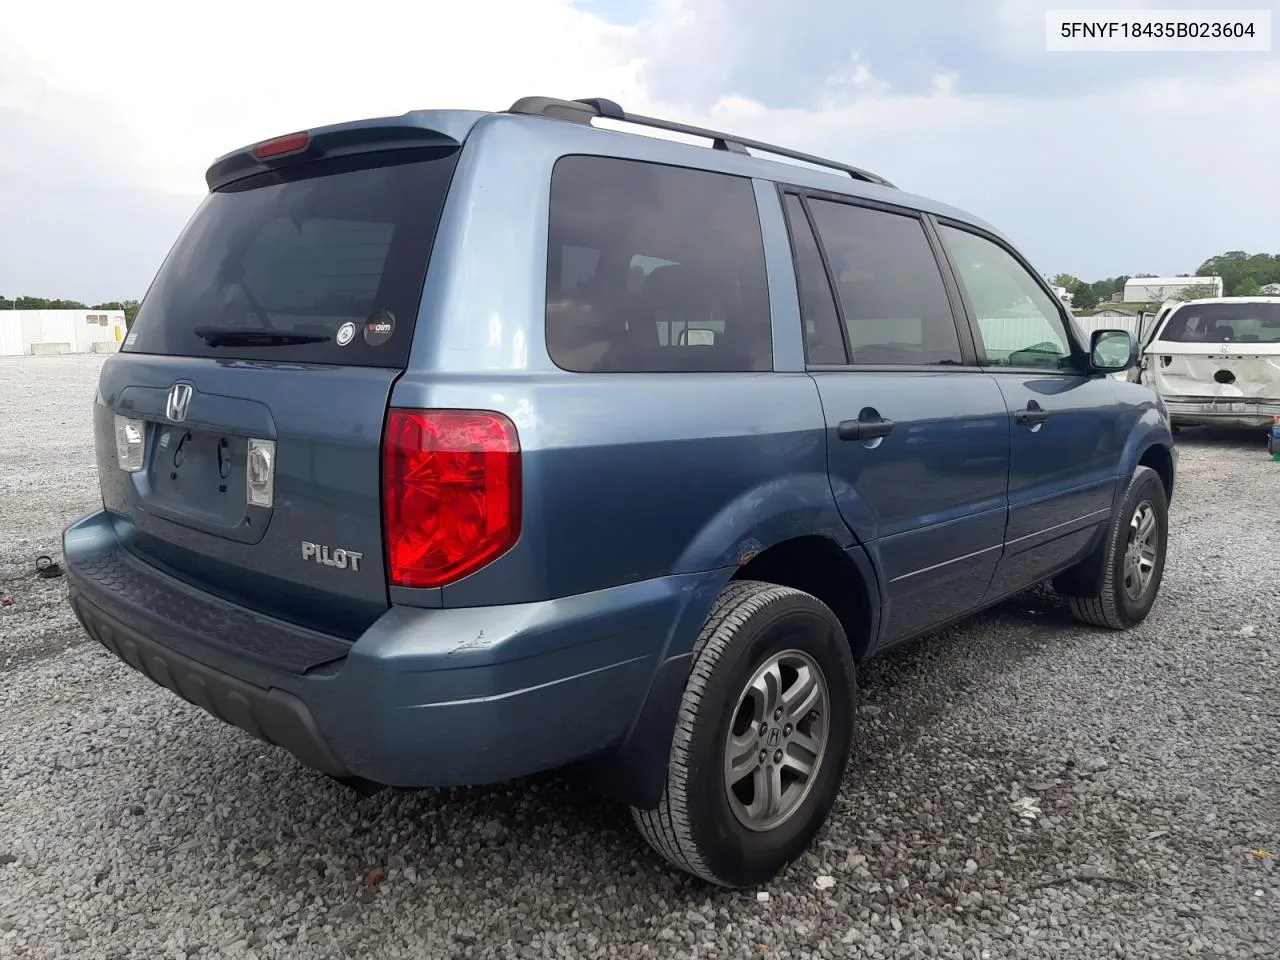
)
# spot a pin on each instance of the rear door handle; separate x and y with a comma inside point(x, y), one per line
point(1032, 415)
point(863, 429)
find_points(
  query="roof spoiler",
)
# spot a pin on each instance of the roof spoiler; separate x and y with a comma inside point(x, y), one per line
point(388, 133)
point(584, 111)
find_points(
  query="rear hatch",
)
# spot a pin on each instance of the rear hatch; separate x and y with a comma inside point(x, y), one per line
point(1220, 351)
point(251, 391)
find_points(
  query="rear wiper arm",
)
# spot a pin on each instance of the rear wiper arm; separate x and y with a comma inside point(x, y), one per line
point(256, 337)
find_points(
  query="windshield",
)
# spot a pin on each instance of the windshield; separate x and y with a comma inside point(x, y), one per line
point(1224, 323)
point(334, 251)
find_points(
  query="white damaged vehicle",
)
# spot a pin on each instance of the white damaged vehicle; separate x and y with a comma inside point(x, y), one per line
point(1215, 361)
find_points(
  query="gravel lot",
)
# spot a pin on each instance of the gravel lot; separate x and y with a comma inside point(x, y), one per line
point(1024, 787)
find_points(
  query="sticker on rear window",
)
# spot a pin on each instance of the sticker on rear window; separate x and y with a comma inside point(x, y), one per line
point(346, 333)
point(379, 328)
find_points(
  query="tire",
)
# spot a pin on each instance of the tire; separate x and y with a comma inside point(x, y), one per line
point(698, 826)
point(1114, 606)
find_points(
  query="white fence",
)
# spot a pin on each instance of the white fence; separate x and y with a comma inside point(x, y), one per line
point(11, 342)
point(25, 332)
point(1087, 325)
point(1001, 334)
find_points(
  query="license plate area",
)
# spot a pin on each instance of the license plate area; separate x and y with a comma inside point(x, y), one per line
point(1224, 406)
point(199, 478)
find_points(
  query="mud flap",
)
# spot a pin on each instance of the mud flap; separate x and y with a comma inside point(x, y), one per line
point(1085, 578)
point(637, 772)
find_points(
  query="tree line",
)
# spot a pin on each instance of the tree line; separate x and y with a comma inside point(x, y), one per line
point(1243, 275)
point(130, 307)
point(1085, 295)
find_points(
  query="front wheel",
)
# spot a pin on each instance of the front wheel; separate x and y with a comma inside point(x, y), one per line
point(762, 737)
point(1137, 542)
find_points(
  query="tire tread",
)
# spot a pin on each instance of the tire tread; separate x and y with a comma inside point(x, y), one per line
point(1103, 609)
point(667, 828)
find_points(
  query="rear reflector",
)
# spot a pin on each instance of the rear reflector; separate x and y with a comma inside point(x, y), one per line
point(289, 143)
point(451, 493)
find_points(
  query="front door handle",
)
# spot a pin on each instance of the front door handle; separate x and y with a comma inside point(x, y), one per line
point(863, 429)
point(1032, 415)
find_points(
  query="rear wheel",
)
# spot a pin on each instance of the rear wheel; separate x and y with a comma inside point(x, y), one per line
point(1134, 563)
point(762, 738)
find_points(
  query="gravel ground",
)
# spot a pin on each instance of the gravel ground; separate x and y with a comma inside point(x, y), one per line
point(1024, 787)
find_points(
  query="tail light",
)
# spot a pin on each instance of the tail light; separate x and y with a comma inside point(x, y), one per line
point(289, 143)
point(450, 493)
point(131, 442)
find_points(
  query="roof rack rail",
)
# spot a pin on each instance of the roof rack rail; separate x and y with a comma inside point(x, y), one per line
point(586, 110)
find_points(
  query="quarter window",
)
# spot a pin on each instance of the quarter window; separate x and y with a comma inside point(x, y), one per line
point(888, 284)
point(823, 340)
point(1019, 322)
point(654, 268)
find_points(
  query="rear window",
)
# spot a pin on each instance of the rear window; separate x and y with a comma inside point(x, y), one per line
point(1224, 323)
point(654, 269)
point(336, 250)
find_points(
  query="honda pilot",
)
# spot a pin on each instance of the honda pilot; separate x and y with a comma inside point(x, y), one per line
point(453, 447)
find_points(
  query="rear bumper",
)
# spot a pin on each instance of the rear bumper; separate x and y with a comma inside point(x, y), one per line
point(1232, 412)
point(439, 697)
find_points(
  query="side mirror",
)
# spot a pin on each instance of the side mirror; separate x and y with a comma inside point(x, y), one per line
point(1111, 351)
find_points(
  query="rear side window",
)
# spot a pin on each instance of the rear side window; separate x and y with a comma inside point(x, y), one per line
point(335, 251)
point(654, 269)
point(889, 285)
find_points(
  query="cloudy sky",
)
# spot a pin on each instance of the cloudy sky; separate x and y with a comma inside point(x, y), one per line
point(1096, 164)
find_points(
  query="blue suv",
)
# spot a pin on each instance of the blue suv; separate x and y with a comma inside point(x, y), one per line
point(452, 447)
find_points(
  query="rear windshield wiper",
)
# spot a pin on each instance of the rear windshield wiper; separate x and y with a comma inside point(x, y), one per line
point(256, 337)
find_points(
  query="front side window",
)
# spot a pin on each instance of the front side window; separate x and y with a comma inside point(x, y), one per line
point(1019, 323)
point(886, 277)
point(654, 269)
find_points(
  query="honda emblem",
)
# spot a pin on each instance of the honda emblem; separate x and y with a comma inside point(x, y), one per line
point(175, 407)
